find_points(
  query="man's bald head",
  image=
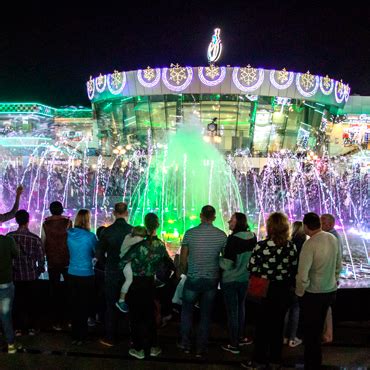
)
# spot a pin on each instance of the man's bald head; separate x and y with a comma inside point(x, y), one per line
point(327, 221)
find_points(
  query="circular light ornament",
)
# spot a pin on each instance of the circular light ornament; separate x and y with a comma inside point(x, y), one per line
point(339, 91)
point(101, 83)
point(326, 85)
point(149, 77)
point(307, 84)
point(347, 91)
point(248, 79)
point(90, 88)
point(181, 76)
point(213, 75)
point(116, 82)
point(284, 79)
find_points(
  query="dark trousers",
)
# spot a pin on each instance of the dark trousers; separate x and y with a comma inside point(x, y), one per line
point(314, 308)
point(270, 323)
point(234, 295)
point(25, 301)
point(140, 299)
point(81, 290)
point(113, 285)
point(58, 293)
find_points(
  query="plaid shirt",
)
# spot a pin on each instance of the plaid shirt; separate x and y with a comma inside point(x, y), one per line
point(31, 260)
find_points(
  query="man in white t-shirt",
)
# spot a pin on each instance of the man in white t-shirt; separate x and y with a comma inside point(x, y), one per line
point(316, 284)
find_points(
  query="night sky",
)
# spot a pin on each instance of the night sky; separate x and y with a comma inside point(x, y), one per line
point(48, 58)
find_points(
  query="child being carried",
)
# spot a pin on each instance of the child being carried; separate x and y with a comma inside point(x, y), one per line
point(138, 234)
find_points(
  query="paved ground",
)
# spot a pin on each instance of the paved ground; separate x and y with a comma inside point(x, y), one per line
point(53, 350)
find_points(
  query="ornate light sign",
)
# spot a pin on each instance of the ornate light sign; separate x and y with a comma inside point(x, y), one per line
point(215, 47)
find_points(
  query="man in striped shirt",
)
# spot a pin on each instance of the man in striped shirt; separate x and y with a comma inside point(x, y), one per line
point(200, 251)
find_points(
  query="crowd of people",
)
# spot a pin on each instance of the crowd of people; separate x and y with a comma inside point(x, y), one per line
point(320, 187)
point(285, 272)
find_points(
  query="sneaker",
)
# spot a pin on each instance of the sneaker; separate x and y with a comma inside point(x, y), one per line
point(200, 354)
point(230, 348)
point(122, 306)
point(245, 341)
point(31, 332)
point(91, 322)
point(106, 342)
point(13, 348)
point(252, 365)
point(185, 349)
point(155, 351)
point(295, 342)
point(140, 355)
point(18, 333)
point(57, 327)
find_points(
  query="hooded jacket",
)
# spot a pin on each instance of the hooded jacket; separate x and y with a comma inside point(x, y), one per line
point(235, 259)
point(81, 245)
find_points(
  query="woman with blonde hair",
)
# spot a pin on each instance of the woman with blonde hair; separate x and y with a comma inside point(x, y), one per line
point(81, 244)
point(274, 259)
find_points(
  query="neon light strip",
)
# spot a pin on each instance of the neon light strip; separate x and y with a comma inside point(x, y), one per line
point(207, 82)
point(180, 87)
point(248, 88)
point(283, 86)
point(120, 89)
point(146, 83)
point(307, 94)
point(322, 88)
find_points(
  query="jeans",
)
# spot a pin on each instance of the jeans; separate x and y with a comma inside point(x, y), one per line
point(6, 303)
point(81, 289)
point(314, 309)
point(291, 328)
point(234, 296)
point(113, 284)
point(203, 290)
point(140, 299)
point(57, 294)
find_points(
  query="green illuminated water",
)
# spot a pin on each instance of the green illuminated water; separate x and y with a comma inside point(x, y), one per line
point(180, 179)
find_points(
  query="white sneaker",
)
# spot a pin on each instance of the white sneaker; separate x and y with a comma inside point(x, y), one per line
point(140, 355)
point(155, 351)
point(295, 342)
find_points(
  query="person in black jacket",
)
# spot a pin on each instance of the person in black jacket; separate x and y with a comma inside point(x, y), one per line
point(108, 254)
point(234, 262)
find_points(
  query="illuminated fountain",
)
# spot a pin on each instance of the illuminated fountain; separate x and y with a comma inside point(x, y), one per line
point(180, 178)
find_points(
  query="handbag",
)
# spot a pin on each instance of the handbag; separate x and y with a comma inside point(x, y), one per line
point(257, 288)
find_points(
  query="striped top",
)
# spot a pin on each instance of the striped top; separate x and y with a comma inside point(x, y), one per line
point(205, 243)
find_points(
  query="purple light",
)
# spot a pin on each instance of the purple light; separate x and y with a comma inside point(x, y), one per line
point(120, 89)
point(250, 88)
point(179, 87)
point(303, 92)
point(144, 82)
point(100, 89)
point(323, 89)
point(284, 85)
point(207, 82)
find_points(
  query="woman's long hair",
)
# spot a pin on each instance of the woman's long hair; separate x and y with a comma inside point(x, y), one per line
point(151, 222)
point(278, 228)
point(298, 230)
point(83, 219)
point(241, 223)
